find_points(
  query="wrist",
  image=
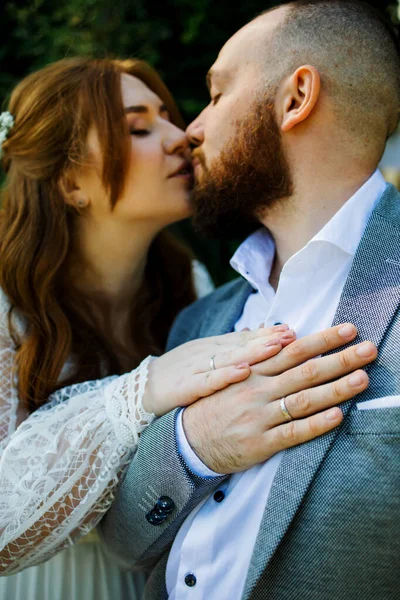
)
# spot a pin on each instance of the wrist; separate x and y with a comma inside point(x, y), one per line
point(190, 458)
point(193, 432)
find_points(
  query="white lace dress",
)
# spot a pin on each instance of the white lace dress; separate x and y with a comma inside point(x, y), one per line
point(59, 468)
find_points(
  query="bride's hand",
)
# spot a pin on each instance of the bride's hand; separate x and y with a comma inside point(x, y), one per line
point(185, 374)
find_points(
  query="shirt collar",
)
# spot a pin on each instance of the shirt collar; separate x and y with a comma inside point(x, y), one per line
point(254, 258)
point(347, 226)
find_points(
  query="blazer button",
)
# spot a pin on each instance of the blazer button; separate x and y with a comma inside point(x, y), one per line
point(165, 505)
point(155, 519)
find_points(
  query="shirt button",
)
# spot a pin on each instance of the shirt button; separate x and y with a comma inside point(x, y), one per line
point(219, 496)
point(190, 580)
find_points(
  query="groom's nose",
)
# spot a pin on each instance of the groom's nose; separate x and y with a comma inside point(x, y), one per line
point(195, 132)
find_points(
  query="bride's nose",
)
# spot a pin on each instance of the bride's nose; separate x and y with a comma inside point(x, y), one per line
point(176, 141)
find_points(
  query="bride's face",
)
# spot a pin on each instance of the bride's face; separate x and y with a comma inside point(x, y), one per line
point(159, 177)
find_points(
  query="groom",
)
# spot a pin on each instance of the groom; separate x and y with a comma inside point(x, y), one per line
point(303, 99)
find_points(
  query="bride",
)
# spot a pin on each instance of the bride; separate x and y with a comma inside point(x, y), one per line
point(97, 166)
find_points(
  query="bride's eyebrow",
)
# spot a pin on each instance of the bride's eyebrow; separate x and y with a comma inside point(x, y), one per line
point(142, 109)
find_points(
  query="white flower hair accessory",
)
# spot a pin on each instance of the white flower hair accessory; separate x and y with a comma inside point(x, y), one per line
point(6, 123)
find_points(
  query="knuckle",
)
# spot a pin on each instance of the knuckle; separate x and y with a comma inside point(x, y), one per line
point(253, 390)
point(254, 398)
point(288, 433)
point(345, 359)
point(313, 427)
point(309, 371)
point(226, 357)
point(243, 338)
point(267, 331)
point(325, 340)
point(281, 382)
point(336, 390)
point(302, 402)
point(248, 419)
point(295, 349)
point(208, 378)
point(244, 394)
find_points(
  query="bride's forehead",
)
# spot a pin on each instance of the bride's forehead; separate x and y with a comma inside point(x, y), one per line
point(134, 91)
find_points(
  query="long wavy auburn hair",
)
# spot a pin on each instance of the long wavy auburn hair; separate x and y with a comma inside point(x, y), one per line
point(53, 110)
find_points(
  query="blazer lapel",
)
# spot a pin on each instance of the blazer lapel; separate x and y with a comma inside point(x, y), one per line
point(227, 310)
point(370, 299)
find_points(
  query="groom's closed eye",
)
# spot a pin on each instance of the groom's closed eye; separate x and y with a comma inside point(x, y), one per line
point(215, 99)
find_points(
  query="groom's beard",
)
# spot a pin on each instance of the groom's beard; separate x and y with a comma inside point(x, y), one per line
point(246, 180)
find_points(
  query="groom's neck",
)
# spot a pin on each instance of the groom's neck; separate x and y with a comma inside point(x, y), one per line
point(296, 220)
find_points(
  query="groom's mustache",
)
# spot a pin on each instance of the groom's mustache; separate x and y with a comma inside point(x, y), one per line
point(197, 155)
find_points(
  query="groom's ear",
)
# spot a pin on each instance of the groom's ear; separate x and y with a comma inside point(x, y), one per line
point(299, 93)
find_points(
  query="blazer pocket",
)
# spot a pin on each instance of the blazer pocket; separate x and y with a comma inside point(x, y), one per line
point(375, 421)
point(383, 402)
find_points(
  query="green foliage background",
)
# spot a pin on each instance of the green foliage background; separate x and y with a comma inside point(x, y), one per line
point(180, 38)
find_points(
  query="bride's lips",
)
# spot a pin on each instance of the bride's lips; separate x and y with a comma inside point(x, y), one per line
point(197, 165)
point(196, 162)
point(185, 170)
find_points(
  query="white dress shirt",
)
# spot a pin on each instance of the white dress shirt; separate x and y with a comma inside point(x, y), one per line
point(210, 556)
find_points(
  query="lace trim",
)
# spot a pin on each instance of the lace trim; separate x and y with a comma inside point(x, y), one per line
point(124, 405)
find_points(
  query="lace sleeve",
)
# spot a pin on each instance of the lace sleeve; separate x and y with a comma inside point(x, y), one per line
point(60, 466)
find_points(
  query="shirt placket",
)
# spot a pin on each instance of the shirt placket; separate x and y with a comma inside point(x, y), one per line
point(196, 564)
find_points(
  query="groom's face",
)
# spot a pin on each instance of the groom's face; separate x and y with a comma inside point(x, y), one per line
point(240, 164)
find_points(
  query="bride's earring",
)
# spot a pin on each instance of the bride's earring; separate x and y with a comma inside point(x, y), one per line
point(81, 203)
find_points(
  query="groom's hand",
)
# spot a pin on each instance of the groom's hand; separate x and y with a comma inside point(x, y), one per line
point(244, 424)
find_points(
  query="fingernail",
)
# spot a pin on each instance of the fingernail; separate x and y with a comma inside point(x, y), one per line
point(278, 328)
point(272, 343)
point(334, 414)
point(347, 331)
point(366, 349)
point(242, 366)
point(356, 379)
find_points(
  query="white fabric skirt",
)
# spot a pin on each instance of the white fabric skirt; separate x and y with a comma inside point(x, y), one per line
point(82, 572)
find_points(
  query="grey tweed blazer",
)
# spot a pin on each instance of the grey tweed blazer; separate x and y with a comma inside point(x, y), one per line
point(331, 526)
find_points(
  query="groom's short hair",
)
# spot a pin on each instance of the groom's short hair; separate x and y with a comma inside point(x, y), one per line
point(356, 51)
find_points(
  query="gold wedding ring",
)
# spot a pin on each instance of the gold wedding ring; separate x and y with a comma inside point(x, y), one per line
point(284, 410)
